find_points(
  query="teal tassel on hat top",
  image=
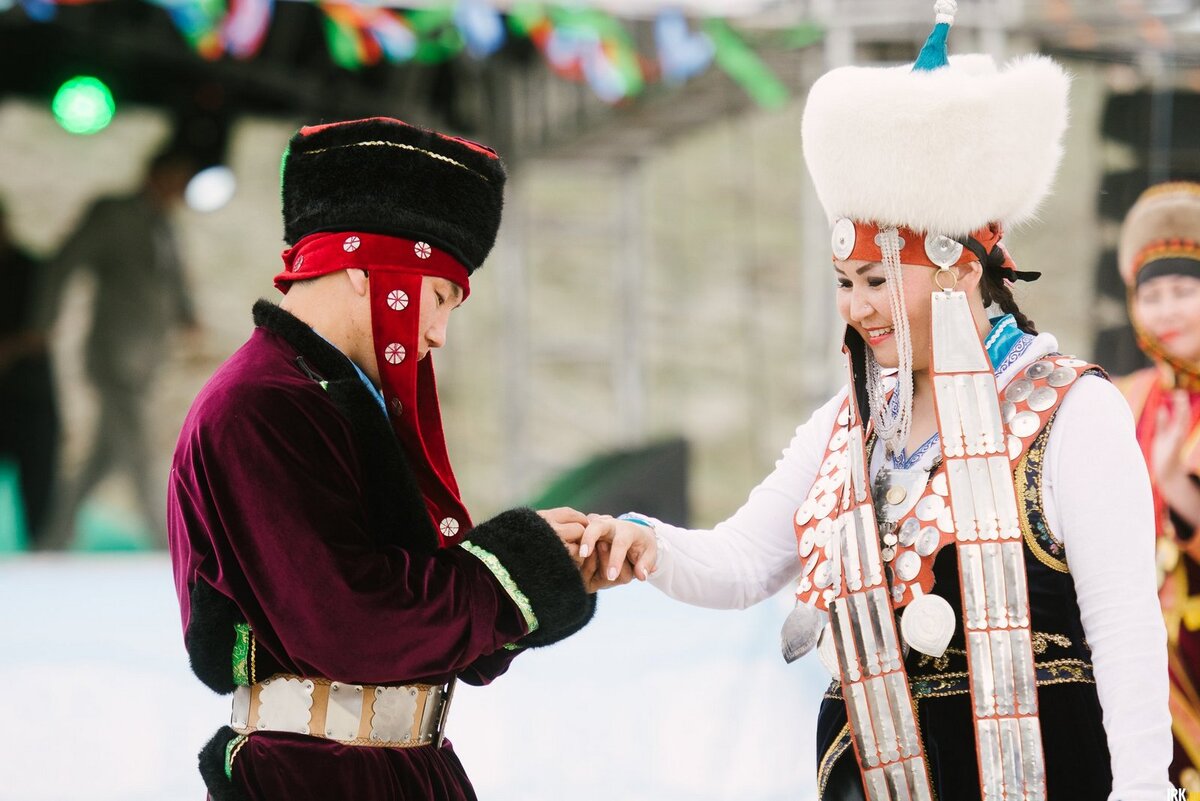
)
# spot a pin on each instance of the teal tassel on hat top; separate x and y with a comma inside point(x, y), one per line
point(933, 55)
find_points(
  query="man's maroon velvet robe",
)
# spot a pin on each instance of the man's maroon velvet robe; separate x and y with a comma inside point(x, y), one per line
point(293, 509)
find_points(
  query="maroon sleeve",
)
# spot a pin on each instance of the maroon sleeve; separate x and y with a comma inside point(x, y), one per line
point(267, 489)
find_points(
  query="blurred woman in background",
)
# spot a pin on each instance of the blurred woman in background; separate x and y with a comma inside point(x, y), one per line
point(1160, 262)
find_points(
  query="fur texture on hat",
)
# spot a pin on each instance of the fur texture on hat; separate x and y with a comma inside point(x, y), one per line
point(1164, 212)
point(382, 175)
point(944, 151)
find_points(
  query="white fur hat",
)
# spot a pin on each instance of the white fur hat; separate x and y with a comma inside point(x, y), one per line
point(944, 150)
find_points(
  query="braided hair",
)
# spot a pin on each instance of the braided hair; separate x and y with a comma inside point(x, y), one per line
point(996, 287)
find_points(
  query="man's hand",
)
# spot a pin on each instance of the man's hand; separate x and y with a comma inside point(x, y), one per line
point(568, 524)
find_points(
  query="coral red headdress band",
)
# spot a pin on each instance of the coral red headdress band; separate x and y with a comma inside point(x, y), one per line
point(853, 239)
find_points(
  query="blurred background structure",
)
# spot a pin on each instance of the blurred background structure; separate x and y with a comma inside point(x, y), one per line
point(660, 289)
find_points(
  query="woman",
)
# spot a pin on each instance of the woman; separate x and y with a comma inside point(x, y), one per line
point(1160, 262)
point(1008, 518)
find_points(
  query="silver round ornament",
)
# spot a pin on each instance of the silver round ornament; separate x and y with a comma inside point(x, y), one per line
point(1025, 424)
point(1018, 390)
point(928, 541)
point(1061, 377)
point(1039, 370)
point(1042, 399)
point(842, 238)
point(942, 250)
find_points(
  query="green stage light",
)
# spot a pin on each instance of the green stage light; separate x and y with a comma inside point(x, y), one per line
point(83, 105)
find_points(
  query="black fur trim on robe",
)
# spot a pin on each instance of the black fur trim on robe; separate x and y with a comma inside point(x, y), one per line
point(212, 767)
point(210, 637)
point(395, 505)
point(536, 560)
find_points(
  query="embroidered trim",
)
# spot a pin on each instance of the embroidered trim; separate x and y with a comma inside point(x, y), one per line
point(1055, 671)
point(1041, 541)
point(1018, 350)
point(231, 751)
point(501, 573)
point(1043, 640)
point(825, 766)
point(511, 646)
point(241, 655)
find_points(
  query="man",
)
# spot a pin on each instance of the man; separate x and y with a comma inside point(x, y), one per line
point(328, 573)
point(28, 410)
point(129, 245)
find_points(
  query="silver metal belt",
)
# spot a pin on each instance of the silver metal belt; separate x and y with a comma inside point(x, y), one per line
point(405, 716)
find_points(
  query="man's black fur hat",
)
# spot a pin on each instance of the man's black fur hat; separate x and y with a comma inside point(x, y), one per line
point(381, 175)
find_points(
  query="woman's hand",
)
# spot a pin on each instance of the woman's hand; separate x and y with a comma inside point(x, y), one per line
point(620, 546)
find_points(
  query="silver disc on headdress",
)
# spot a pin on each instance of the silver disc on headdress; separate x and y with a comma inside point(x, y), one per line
point(843, 238)
point(942, 250)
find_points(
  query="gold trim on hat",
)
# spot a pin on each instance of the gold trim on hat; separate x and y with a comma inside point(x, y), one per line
point(384, 143)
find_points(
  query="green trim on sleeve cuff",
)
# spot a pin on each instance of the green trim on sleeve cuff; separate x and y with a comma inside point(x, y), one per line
point(231, 749)
point(501, 573)
point(241, 655)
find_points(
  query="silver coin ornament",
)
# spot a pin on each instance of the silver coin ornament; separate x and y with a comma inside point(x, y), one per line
point(1014, 446)
point(824, 532)
point(1061, 377)
point(929, 507)
point(1025, 424)
point(1068, 361)
point(909, 531)
point(807, 541)
point(1018, 390)
point(825, 505)
point(940, 484)
point(908, 565)
point(823, 576)
point(805, 513)
point(888, 553)
point(1042, 399)
point(927, 541)
point(800, 632)
point(928, 624)
point(1039, 370)
point(810, 564)
point(942, 250)
point(842, 238)
point(898, 591)
point(1008, 410)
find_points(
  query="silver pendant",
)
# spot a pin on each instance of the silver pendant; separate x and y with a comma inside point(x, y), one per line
point(800, 632)
point(909, 531)
point(928, 624)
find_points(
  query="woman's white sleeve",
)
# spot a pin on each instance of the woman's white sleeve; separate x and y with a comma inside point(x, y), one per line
point(1099, 504)
point(752, 555)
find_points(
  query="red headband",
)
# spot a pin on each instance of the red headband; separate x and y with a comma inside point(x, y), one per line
point(913, 251)
point(320, 254)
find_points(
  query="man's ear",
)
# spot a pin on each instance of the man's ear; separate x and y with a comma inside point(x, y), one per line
point(358, 280)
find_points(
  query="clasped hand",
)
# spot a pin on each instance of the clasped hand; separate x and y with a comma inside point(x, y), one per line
point(608, 551)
